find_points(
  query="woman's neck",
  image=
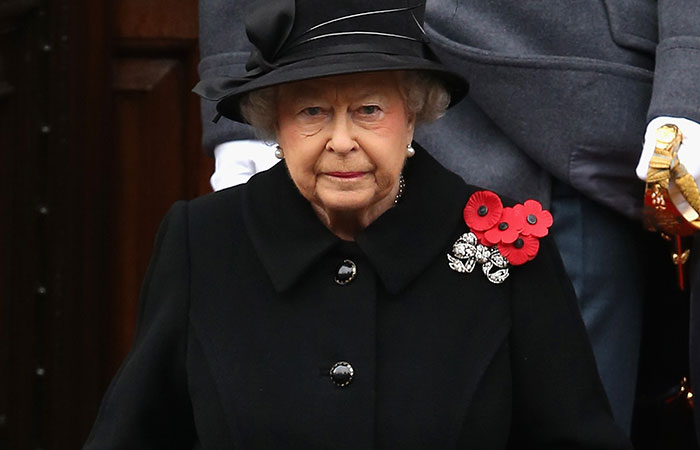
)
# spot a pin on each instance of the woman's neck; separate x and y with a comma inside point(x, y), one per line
point(346, 224)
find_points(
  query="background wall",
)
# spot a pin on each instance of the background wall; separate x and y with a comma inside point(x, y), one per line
point(99, 134)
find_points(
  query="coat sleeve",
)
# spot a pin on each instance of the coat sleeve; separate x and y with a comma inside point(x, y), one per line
point(147, 404)
point(558, 398)
point(224, 50)
point(677, 71)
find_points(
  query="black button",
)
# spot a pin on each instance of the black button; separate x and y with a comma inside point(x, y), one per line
point(341, 373)
point(346, 272)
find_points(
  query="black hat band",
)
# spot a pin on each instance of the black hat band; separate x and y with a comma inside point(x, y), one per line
point(367, 29)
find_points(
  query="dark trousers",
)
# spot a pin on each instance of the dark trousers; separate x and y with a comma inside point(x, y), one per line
point(603, 258)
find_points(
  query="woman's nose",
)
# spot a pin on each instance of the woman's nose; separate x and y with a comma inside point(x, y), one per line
point(341, 139)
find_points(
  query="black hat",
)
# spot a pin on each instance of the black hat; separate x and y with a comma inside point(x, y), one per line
point(303, 39)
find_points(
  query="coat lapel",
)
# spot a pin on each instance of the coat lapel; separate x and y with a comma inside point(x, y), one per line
point(406, 239)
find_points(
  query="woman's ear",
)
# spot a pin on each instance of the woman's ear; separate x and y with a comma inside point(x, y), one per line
point(411, 127)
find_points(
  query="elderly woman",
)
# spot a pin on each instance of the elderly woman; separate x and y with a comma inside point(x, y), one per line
point(359, 295)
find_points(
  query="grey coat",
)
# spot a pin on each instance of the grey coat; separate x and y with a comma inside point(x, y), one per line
point(558, 89)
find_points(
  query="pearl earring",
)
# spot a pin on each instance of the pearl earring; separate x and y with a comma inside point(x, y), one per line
point(410, 150)
point(279, 153)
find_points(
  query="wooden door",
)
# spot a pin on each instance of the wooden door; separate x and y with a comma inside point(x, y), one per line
point(99, 135)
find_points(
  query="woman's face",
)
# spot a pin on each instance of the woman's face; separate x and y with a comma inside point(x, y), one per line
point(344, 139)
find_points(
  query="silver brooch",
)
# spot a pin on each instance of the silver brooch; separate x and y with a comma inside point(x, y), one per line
point(467, 251)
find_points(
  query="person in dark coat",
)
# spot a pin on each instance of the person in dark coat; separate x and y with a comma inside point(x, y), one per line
point(561, 94)
point(358, 295)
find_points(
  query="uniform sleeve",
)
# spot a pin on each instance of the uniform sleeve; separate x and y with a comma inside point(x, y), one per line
point(677, 72)
point(559, 401)
point(147, 404)
point(224, 50)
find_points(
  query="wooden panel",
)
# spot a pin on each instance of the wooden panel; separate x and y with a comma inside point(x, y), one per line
point(77, 169)
point(158, 132)
point(76, 107)
point(6, 89)
point(11, 9)
point(156, 19)
point(20, 252)
point(103, 135)
point(149, 119)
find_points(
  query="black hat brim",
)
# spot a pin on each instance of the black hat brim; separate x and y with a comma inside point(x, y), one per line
point(228, 91)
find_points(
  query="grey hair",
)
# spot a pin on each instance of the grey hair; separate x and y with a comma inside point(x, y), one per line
point(259, 108)
point(424, 95)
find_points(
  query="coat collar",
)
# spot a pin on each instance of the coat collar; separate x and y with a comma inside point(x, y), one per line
point(289, 237)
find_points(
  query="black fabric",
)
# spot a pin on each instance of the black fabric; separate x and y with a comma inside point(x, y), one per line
point(281, 225)
point(242, 321)
point(295, 41)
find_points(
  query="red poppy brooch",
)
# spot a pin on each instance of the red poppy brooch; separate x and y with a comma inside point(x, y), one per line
point(499, 236)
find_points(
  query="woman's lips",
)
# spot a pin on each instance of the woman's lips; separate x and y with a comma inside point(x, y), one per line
point(345, 175)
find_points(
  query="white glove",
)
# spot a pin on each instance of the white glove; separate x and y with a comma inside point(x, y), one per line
point(237, 161)
point(688, 155)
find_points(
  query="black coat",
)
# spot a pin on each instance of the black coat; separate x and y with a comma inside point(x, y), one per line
point(241, 320)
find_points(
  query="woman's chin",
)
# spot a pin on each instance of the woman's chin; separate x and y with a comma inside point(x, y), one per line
point(340, 202)
point(345, 202)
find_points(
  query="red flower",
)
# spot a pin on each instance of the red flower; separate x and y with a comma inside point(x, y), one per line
point(515, 231)
point(507, 230)
point(483, 210)
point(537, 220)
point(522, 250)
point(480, 237)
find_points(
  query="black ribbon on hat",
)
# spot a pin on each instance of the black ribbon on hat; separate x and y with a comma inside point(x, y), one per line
point(268, 33)
point(299, 39)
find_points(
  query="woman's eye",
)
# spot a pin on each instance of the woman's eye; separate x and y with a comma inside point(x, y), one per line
point(312, 111)
point(369, 110)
